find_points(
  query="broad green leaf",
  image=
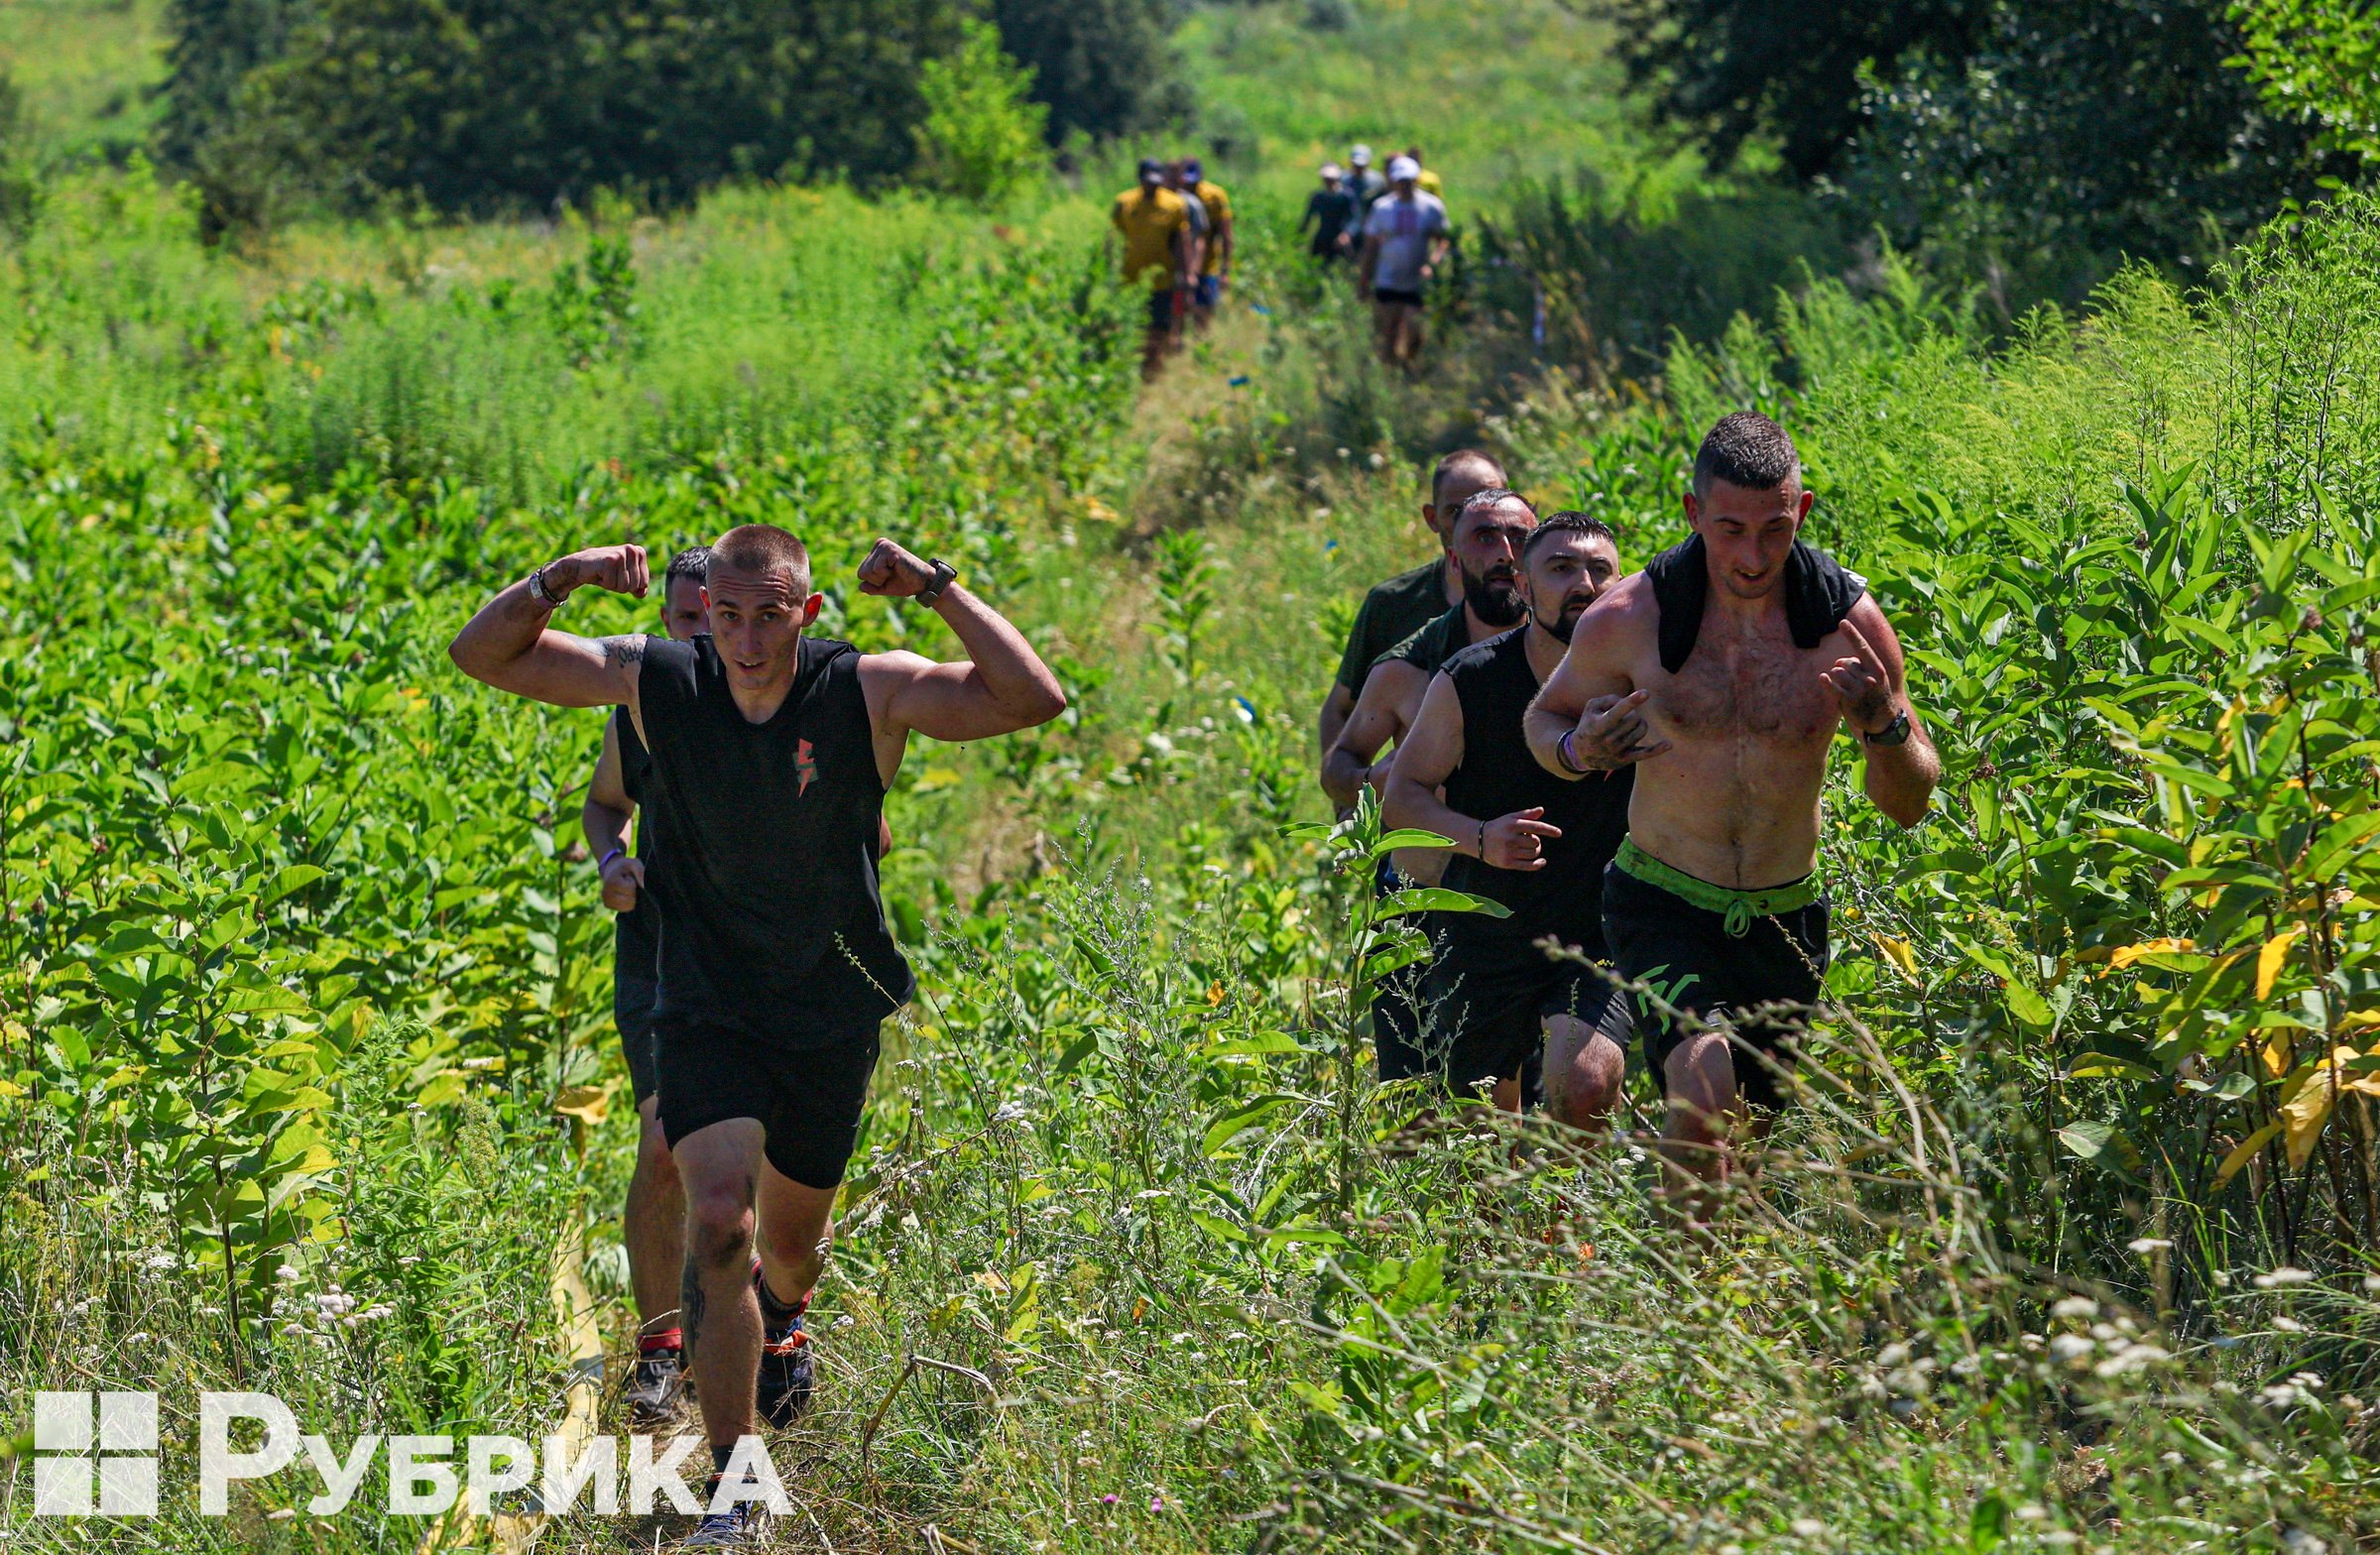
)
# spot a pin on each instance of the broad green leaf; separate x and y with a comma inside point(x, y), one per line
point(1438, 899)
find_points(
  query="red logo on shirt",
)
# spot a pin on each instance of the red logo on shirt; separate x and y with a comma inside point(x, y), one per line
point(807, 765)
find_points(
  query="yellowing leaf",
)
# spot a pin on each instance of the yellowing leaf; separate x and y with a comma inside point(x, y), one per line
point(1896, 951)
point(2125, 955)
point(589, 1104)
point(2269, 961)
point(2305, 1113)
point(2279, 1053)
point(2242, 1152)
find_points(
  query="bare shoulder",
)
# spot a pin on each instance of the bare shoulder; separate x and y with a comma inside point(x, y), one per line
point(1626, 618)
point(1867, 618)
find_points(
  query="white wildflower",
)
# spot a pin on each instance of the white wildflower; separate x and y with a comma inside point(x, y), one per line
point(2282, 1276)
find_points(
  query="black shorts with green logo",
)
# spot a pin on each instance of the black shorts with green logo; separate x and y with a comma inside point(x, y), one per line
point(805, 1091)
point(1711, 964)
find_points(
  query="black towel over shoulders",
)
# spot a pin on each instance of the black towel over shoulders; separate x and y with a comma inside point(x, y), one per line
point(1818, 592)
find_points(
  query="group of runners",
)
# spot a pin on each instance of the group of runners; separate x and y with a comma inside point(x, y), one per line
point(1176, 230)
point(1519, 675)
point(1392, 228)
point(1630, 766)
point(1176, 235)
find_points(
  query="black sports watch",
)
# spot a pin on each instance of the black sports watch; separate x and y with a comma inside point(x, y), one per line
point(944, 575)
point(1893, 733)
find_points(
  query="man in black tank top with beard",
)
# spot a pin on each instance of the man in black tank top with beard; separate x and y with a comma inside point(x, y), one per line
point(652, 1222)
point(772, 752)
point(1498, 1005)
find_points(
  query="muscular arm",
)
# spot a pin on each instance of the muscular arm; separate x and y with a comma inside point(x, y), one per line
point(1900, 777)
point(508, 645)
point(1392, 695)
point(1335, 708)
point(1001, 687)
point(1593, 667)
point(605, 815)
point(1427, 756)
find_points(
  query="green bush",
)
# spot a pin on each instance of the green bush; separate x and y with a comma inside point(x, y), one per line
point(982, 135)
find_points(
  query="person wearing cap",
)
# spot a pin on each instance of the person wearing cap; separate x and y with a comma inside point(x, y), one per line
point(1215, 256)
point(1179, 179)
point(1331, 212)
point(1425, 180)
point(1404, 241)
point(1364, 180)
point(1159, 250)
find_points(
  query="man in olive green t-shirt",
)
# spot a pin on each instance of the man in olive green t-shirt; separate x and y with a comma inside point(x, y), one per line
point(1403, 605)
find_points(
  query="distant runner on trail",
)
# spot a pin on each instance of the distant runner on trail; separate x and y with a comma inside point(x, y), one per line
point(1215, 258)
point(1736, 656)
point(1159, 252)
point(1497, 1010)
point(1364, 180)
point(772, 752)
point(653, 1224)
point(1428, 181)
point(1395, 610)
point(1331, 212)
point(1404, 242)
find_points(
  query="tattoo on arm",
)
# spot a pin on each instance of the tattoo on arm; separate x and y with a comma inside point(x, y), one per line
point(623, 651)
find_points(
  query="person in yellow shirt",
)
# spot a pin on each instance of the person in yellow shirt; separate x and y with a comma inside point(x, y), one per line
point(1154, 223)
point(1215, 266)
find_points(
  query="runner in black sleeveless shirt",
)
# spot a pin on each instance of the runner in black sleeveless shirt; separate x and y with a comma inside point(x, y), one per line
point(1498, 1005)
point(654, 1221)
point(772, 753)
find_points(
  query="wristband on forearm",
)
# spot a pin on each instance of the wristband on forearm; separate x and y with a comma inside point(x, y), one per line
point(605, 862)
point(1567, 758)
point(1483, 842)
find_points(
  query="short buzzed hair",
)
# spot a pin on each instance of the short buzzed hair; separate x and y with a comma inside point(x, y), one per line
point(1570, 521)
point(757, 550)
point(1464, 459)
point(1494, 497)
point(693, 562)
point(1748, 449)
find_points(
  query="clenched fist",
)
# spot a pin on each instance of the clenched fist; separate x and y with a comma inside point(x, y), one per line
point(623, 877)
point(894, 571)
point(621, 569)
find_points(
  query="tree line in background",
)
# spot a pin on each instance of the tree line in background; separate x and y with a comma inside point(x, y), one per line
point(477, 106)
point(2032, 145)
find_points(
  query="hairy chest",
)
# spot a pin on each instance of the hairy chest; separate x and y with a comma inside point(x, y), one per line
point(1757, 687)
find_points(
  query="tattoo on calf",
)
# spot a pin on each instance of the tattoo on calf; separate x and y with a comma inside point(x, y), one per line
point(690, 1305)
point(619, 651)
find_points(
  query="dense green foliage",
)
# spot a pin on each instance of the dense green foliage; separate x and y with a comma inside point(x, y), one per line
point(301, 969)
point(2035, 144)
point(982, 136)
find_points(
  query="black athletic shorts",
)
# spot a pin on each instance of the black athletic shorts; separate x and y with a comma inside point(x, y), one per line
point(1487, 1001)
point(1393, 294)
point(807, 1097)
point(1160, 308)
point(1667, 942)
point(631, 1013)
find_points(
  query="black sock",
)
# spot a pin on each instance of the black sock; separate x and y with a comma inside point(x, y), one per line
point(774, 1310)
point(719, 1456)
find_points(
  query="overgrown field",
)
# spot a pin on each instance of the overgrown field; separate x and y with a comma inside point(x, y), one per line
point(305, 1062)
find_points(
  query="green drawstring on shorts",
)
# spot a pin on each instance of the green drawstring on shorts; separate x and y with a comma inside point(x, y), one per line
point(1736, 908)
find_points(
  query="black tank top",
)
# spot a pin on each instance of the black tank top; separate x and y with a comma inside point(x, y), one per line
point(767, 833)
point(636, 933)
point(1499, 776)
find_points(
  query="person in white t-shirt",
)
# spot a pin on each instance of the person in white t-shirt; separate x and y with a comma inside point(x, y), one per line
point(1404, 242)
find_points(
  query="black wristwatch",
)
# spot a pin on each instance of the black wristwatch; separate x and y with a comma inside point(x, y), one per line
point(1894, 733)
point(944, 575)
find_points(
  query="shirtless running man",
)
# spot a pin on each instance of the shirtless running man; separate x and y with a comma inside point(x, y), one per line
point(1736, 656)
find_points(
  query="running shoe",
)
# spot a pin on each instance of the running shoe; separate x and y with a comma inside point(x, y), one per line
point(743, 1526)
point(657, 1384)
point(787, 1369)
